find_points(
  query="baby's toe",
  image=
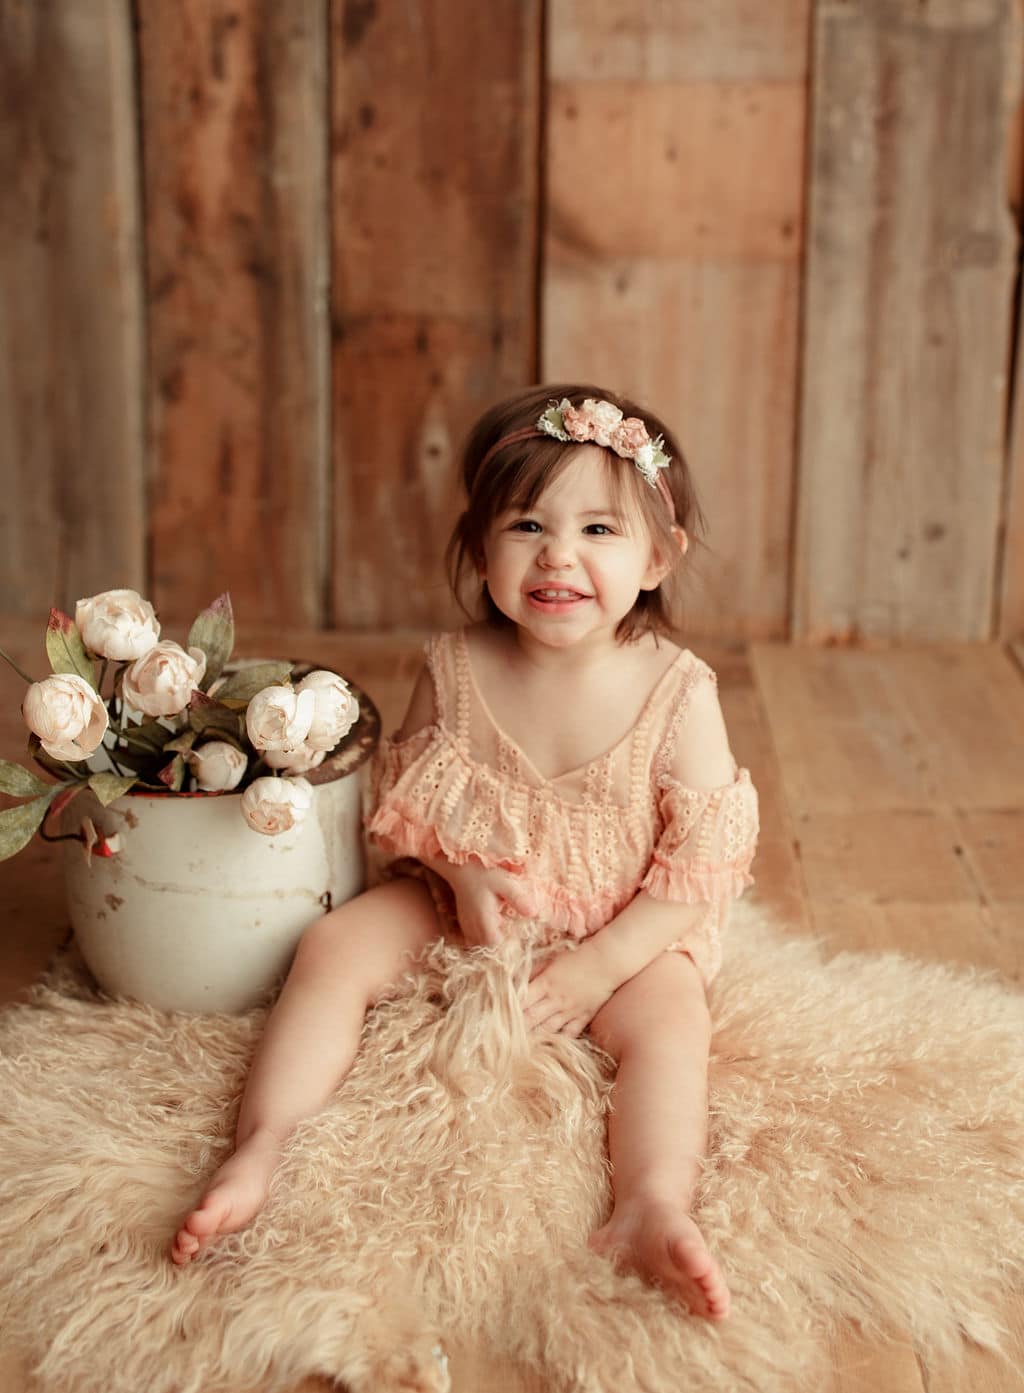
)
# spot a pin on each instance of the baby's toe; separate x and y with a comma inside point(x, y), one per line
point(183, 1248)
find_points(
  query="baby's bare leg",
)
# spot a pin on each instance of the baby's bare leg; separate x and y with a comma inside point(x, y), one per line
point(344, 961)
point(658, 1028)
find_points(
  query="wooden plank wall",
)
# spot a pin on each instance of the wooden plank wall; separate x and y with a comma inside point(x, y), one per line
point(71, 322)
point(234, 127)
point(910, 285)
point(263, 264)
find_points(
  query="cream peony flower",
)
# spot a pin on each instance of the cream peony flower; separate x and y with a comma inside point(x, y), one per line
point(336, 708)
point(299, 761)
point(603, 419)
point(162, 682)
point(279, 718)
point(272, 805)
point(217, 765)
point(117, 624)
point(67, 714)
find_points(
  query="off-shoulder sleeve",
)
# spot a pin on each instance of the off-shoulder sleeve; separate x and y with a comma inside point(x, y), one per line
point(428, 800)
point(707, 843)
point(389, 818)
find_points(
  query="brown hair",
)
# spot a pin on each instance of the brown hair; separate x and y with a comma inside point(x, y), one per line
point(518, 473)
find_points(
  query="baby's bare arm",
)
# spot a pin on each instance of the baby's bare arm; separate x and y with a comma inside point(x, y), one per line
point(642, 932)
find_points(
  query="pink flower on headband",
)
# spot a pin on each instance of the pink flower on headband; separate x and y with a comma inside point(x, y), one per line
point(594, 420)
point(629, 436)
point(602, 422)
point(577, 423)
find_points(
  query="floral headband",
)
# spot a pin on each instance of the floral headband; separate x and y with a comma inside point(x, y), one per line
point(603, 423)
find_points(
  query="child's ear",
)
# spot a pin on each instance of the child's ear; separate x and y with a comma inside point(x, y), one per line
point(659, 567)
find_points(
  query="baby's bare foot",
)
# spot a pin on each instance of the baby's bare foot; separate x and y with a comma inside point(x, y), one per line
point(235, 1197)
point(661, 1241)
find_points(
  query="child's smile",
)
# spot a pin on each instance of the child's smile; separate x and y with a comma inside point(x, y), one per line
point(559, 601)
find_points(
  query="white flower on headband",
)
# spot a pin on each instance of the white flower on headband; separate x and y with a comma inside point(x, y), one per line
point(603, 423)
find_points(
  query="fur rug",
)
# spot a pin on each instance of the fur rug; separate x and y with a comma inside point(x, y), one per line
point(866, 1161)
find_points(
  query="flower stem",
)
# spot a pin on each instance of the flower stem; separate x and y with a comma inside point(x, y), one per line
point(110, 755)
point(63, 837)
point(16, 668)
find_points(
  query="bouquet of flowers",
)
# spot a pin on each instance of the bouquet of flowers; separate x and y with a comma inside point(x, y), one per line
point(171, 719)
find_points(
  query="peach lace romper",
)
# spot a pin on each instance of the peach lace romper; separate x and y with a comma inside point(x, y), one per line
point(586, 841)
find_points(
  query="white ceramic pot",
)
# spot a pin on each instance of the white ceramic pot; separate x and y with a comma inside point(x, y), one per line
point(197, 911)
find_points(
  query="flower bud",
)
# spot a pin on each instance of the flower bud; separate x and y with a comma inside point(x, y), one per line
point(217, 765)
point(272, 805)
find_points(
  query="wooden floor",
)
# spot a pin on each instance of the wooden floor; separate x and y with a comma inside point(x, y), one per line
point(891, 788)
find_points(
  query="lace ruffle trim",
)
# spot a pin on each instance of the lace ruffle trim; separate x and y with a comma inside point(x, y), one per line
point(695, 884)
point(401, 834)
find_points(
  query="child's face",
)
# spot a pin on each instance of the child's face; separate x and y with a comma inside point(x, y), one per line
point(575, 539)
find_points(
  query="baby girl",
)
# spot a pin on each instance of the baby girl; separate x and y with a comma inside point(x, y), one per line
point(561, 761)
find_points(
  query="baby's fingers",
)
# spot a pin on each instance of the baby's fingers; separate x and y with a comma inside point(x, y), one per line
point(537, 1011)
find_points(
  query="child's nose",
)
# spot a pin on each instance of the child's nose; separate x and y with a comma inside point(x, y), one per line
point(556, 553)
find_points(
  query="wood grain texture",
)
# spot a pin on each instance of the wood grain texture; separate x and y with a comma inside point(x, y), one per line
point(434, 128)
point(1010, 607)
point(72, 515)
point(907, 323)
point(234, 123)
point(903, 777)
point(1011, 596)
point(674, 198)
point(679, 40)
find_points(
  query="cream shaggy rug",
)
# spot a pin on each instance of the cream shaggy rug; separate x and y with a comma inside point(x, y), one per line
point(866, 1161)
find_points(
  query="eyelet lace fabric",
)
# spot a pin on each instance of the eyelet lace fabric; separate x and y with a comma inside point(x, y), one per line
point(585, 842)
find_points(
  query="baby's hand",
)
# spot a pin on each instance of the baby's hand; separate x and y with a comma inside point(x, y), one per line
point(484, 899)
point(567, 993)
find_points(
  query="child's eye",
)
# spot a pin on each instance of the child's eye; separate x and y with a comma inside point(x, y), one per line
point(605, 529)
point(524, 523)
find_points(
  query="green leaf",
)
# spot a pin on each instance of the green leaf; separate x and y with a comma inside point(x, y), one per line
point(208, 716)
point(214, 632)
point(20, 782)
point(150, 735)
point(243, 685)
point(35, 749)
point(107, 786)
point(183, 742)
point(139, 760)
point(65, 649)
point(552, 422)
point(172, 776)
point(18, 825)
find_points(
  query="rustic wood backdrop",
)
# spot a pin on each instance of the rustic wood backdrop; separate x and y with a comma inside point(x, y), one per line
point(262, 264)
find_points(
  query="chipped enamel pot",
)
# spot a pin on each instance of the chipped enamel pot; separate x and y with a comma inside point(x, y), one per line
point(199, 912)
